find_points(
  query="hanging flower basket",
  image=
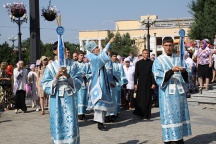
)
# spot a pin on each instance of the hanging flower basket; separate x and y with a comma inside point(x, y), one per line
point(49, 16)
point(17, 9)
point(18, 12)
point(50, 13)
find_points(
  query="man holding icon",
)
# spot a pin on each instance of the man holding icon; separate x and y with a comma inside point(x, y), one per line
point(171, 78)
point(61, 81)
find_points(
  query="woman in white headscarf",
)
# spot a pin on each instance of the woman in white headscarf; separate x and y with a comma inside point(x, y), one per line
point(32, 78)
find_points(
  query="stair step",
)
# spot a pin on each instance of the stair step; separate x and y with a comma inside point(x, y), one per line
point(204, 95)
point(203, 100)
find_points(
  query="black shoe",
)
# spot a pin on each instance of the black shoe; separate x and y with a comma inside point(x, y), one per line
point(107, 119)
point(80, 117)
point(101, 127)
point(84, 117)
point(112, 118)
point(188, 95)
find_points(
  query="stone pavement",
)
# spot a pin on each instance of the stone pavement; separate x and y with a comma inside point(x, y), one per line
point(33, 128)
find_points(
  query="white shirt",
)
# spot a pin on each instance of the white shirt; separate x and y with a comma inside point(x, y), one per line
point(213, 55)
point(23, 80)
point(195, 52)
point(129, 72)
point(133, 60)
point(189, 62)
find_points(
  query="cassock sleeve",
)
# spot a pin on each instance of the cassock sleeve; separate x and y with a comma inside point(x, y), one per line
point(153, 80)
point(168, 75)
point(161, 77)
point(136, 74)
point(185, 76)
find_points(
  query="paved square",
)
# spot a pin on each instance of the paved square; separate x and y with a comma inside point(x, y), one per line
point(33, 128)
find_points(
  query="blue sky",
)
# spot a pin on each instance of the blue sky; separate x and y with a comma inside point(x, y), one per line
point(91, 15)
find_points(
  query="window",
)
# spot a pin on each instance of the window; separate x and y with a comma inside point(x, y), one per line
point(159, 41)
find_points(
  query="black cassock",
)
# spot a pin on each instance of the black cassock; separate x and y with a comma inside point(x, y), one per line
point(144, 79)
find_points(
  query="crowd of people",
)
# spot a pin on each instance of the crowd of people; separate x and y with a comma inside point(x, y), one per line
point(201, 59)
point(102, 82)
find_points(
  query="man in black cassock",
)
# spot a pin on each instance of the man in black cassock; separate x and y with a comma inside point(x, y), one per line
point(144, 84)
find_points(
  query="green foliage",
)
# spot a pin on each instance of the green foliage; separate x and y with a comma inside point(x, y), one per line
point(204, 13)
point(47, 50)
point(73, 47)
point(7, 54)
point(123, 45)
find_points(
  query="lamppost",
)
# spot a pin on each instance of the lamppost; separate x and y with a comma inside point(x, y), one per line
point(155, 44)
point(148, 24)
point(13, 39)
point(144, 41)
point(19, 22)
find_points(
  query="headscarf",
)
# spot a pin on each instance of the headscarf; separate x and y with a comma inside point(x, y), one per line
point(126, 59)
point(32, 66)
point(38, 62)
point(205, 44)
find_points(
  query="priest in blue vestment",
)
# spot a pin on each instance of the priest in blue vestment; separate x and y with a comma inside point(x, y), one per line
point(120, 79)
point(82, 97)
point(62, 84)
point(99, 88)
point(171, 78)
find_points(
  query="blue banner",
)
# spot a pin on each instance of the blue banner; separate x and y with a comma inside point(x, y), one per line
point(61, 47)
point(182, 48)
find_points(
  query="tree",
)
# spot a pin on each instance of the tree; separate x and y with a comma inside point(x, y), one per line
point(204, 14)
point(47, 50)
point(123, 45)
point(73, 47)
point(7, 54)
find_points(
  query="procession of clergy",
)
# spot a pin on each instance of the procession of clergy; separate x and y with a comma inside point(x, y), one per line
point(101, 81)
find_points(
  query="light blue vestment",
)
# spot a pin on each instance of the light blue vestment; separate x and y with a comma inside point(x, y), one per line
point(174, 113)
point(63, 109)
point(123, 80)
point(99, 88)
point(82, 98)
point(120, 79)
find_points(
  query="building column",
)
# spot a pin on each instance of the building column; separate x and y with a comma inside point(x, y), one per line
point(81, 45)
point(153, 45)
point(99, 44)
point(173, 37)
point(162, 45)
point(87, 41)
